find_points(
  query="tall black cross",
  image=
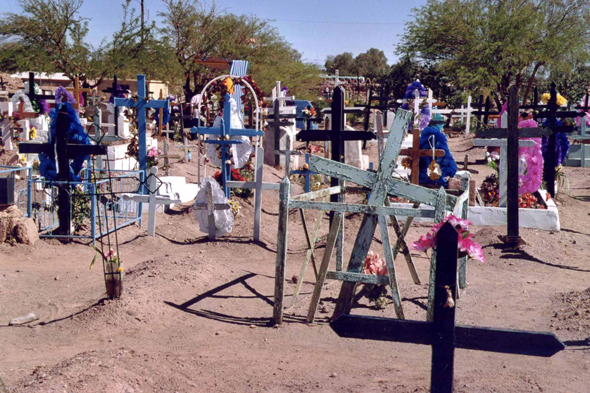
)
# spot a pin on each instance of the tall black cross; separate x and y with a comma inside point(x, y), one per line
point(113, 90)
point(180, 117)
point(59, 149)
point(442, 333)
point(31, 92)
point(2, 84)
point(337, 135)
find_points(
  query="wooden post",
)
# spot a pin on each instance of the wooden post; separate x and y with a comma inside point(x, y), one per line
point(512, 161)
point(63, 165)
point(210, 211)
point(443, 329)
point(283, 234)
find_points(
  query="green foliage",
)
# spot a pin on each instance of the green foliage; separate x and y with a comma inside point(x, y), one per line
point(80, 208)
point(485, 46)
point(371, 64)
point(343, 62)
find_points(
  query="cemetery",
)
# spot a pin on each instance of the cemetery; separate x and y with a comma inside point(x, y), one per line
point(193, 206)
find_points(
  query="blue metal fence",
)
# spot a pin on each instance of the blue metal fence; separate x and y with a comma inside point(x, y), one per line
point(101, 196)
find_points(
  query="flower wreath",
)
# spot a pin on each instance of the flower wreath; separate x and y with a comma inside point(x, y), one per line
point(223, 86)
point(424, 116)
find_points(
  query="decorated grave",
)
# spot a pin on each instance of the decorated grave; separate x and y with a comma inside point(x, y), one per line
point(377, 211)
point(228, 146)
point(539, 147)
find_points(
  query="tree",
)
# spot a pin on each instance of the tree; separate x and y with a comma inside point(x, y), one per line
point(195, 32)
point(343, 62)
point(51, 30)
point(487, 45)
point(371, 64)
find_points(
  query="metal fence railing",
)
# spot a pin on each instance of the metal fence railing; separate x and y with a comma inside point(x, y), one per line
point(22, 176)
point(97, 208)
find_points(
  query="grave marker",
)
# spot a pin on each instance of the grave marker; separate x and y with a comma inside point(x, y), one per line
point(59, 149)
point(152, 199)
point(141, 104)
point(225, 132)
point(210, 207)
point(442, 333)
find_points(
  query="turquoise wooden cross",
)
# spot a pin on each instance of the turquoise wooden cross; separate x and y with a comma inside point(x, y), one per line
point(141, 104)
point(225, 132)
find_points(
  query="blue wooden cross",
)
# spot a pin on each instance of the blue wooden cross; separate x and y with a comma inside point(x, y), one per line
point(225, 132)
point(141, 104)
point(306, 172)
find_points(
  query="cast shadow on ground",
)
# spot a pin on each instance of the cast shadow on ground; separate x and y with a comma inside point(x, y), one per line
point(235, 320)
point(511, 253)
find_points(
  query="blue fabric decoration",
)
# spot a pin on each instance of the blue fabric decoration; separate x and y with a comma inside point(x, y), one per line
point(562, 145)
point(165, 117)
point(416, 85)
point(447, 163)
point(76, 135)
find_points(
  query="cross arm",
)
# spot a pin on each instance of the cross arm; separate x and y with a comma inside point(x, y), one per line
point(157, 104)
point(125, 102)
point(35, 148)
point(502, 133)
point(466, 337)
point(368, 179)
point(218, 206)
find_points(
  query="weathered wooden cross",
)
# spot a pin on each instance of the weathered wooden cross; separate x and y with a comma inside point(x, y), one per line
point(31, 92)
point(141, 104)
point(258, 186)
point(225, 132)
point(442, 333)
point(210, 207)
point(277, 121)
point(76, 92)
point(2, 84)
point(415, 153)
point(381, 184)
point(59, 149)
point(152, 199)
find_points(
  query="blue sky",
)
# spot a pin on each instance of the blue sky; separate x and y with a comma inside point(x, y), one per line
point(316, 28)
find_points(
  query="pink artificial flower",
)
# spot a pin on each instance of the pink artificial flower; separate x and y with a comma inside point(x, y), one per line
point(109, 253)
point(458, 222)
point(153, 152)
point(374, 265)
point(425, 242)
point(472, 248)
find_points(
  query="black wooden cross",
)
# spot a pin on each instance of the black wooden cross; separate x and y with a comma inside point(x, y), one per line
point(113, 90)
point(385, 103)
point(31, 92)
point(2, 84)
point(59, 149)
point(442, 333)
point(337, 135)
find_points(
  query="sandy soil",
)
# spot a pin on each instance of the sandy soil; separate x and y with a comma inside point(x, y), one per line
point(195, 314)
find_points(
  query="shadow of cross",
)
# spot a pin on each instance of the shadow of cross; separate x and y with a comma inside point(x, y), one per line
point(442, 333)
point(141, 104)
point(381, 184)
point(59, 149)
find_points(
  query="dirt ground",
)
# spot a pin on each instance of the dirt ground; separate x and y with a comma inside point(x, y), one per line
point(195, 314)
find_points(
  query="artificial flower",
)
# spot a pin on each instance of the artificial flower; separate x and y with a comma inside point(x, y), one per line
point(374, 265)
point(561, 101)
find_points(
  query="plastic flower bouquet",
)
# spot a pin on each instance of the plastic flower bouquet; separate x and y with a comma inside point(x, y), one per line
point(375, 265)
point(113, 271)
point(467, 245)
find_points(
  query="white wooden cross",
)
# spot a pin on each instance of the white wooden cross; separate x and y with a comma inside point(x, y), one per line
point(257, 185)
point(210, 207)
point(152, 200)
point(277, 94)
point(503, 170)
point(583, 137)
